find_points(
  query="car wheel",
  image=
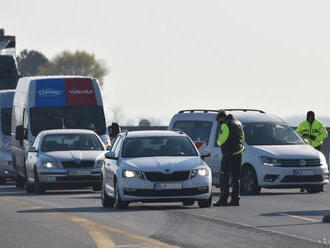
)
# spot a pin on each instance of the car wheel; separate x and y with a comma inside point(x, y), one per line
point(249, 181)
point(188, 203)
point(39, 188)
point(314, 189)
point(118, 202)
point(106, 200)
point(19, 181)
point(205, 203)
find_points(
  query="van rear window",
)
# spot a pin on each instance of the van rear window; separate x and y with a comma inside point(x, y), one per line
point(197, 130)
point(6, 121)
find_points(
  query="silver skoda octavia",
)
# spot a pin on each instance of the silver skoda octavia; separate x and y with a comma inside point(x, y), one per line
point(155, 166)
point(65, 158)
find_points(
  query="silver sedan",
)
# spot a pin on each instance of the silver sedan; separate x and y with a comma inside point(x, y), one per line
point(65, 158)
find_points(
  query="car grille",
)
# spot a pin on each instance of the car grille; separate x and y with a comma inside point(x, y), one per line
point(80, 164)
point(302, 179)
point(78, 178)
point(167, 192)
point(299, 162)
point(167, 177)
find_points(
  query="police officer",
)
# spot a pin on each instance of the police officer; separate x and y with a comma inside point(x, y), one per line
point(313, 131)
point(231, 140)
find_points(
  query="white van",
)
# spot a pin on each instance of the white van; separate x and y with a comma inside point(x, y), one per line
point(275, 155)
point(6, 105)
point(57, 102)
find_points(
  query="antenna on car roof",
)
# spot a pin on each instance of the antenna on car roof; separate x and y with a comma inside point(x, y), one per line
point(178, 130)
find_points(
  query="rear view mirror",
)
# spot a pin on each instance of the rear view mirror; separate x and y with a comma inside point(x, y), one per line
point(111, 155)
point(205, 153)
point(21, 133)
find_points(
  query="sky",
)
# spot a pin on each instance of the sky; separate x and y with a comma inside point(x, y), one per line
point(168, 55)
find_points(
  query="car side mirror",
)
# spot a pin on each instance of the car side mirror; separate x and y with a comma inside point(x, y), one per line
point(33, 149)
point(205, 153)
point(108, 148)
point(111, 155)
point(114, 130)
point(20, 133)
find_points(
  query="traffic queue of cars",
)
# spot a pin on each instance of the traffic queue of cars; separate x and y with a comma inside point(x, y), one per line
point(59, 138)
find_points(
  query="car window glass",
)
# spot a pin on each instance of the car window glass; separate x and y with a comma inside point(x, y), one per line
point(117, 149)
point(197, 130)
point(6, 121)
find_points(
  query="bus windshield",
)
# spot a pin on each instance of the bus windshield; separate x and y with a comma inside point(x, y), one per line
point(69, 117)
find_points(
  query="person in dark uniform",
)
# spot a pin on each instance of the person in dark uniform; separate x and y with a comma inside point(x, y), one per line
point(231, 139)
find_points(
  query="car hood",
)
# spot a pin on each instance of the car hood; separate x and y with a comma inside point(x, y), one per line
point(288, 151)
point(164, 164)
point(72, 155)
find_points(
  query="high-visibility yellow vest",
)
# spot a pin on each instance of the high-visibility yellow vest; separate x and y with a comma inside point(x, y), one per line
point(315, 129)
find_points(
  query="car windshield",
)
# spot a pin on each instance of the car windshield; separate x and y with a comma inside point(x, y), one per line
point(6, 121)
point(158, 146)
point(70, 117)
point(65, 142)
point(271, 134)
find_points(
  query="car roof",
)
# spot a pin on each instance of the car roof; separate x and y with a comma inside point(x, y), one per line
point(244, 116)
point(67, 131)
point(154, 133)
point(55, 77)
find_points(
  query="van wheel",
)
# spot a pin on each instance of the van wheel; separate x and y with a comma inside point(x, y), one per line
point(106, 200)
point(19, 181)
point(249, 181)
point(314, 189)
point(205, 203)
point(118, 202)
point(38, 187)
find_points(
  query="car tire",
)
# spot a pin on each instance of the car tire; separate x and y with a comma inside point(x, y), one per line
point(313, 189)
point(205, 203)
point(107, 201)
point(249, 181)
point(119, 204)
point(187, 203)
point(39, 188)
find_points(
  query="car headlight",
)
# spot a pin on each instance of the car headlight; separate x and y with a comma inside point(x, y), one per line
point(49, 164)
point(132, 174)
point(200, 172)
point(99, 164)
point(267, 161)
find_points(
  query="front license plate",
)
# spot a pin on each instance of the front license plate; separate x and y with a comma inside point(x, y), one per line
point(160, 186)
point(79, 173)
point(303, 172)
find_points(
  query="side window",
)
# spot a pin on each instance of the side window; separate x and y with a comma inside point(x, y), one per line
point(118, 147)
point(115, 142)
point(197, 130)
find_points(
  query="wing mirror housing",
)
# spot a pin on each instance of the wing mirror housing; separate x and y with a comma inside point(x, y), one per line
point(111, 155)
point(21, 133)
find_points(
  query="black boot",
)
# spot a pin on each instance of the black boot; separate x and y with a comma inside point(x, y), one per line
point(234, 202)
point(220, 203)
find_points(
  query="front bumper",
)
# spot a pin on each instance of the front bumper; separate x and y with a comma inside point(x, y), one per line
point(291, 177)
point(135, 189)
point(70, 177)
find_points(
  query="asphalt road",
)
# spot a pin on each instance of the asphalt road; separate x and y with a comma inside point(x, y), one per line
point(75, 218)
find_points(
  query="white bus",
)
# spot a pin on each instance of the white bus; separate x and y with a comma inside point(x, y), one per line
point(6, 105)
point(56, 102)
